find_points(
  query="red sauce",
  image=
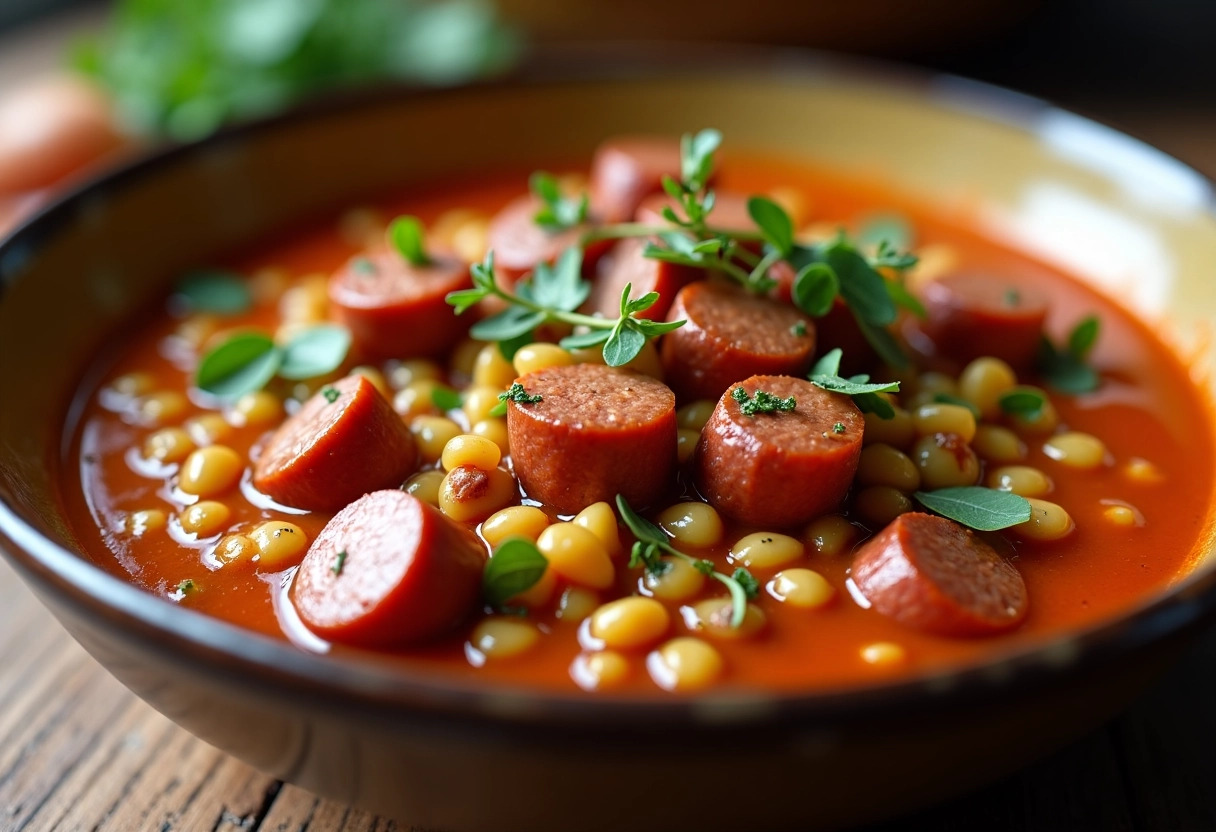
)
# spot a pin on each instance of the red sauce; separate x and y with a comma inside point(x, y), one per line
point(1147, 408)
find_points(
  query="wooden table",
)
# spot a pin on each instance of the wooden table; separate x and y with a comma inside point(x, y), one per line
point(79, 752)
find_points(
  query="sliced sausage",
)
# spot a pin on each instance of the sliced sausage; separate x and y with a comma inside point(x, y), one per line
point(596, 432)
point(395, 309)
point(344, 442)
point(519, 244)
point(626, 169)
point(388, 570)
point(970, 316)
point(625, 266)
point(731, 334)
point(931, 574)
point(780, 468)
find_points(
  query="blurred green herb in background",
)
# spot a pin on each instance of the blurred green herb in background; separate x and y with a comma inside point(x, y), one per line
point(182, 68)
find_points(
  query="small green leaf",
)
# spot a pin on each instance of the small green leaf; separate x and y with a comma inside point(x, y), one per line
point(585, 339)
point(815, 289)
point(643, 529)
point(406, 235)
point(560, 286)
point(462, 299)
point(242, 364)
point(1083, 337)
point(697, 158)
point(217, 292)
point(1063, 371)
point(315, 351)
point(983, 509)
point(828, 364)
point(445, 398)
point(1022, 402)
point(330, 394)
point(825, 374)
point(745, 579)
point(623, 346)
point(640, 304)
point(874, 403)
point(863, 289)
point(652, 328)
point(339, 563)
point(773, 223)
point(557, 212)
point(902, 297)
point(515, 567)
point(853, 386)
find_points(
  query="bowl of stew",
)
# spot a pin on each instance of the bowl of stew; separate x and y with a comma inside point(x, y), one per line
point(768, 442)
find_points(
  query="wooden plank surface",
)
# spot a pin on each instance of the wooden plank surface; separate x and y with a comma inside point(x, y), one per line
point(79, 752)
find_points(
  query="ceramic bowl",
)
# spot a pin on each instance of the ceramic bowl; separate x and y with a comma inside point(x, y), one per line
point(445, 757)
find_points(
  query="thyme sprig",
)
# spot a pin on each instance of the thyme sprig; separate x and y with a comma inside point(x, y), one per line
point(652, 545)
point(553, 293)
point(872, 286)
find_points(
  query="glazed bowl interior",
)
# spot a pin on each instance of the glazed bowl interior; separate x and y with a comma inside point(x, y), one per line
point(1136, 224)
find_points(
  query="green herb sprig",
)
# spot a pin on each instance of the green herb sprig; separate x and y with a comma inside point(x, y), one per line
point(183, 68)
point(826, 374)
point(1065, 369)
point(761, 402)
point(823, 271)
point(558, 212)
point(1022, 402)
point(652, 545)
point(982, 509)
point(408, 238)
point(552, 294)
point(514, 393)
point(211, 290)
point(247, 361)
point(515, 567)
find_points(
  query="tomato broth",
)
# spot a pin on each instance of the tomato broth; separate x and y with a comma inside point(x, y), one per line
point(1140, 517)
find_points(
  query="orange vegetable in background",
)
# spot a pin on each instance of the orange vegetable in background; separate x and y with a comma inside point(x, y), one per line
point(50, 128)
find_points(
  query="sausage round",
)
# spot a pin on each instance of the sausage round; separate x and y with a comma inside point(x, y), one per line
point(332, 452)
point(388, 570)
point(626, 169)
point(969, 316)
point(596, 432)
point(395, 309)
point(731, 334)
point(782, 468)
point(931, 574)
point(625, 266)
point(519, 244)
